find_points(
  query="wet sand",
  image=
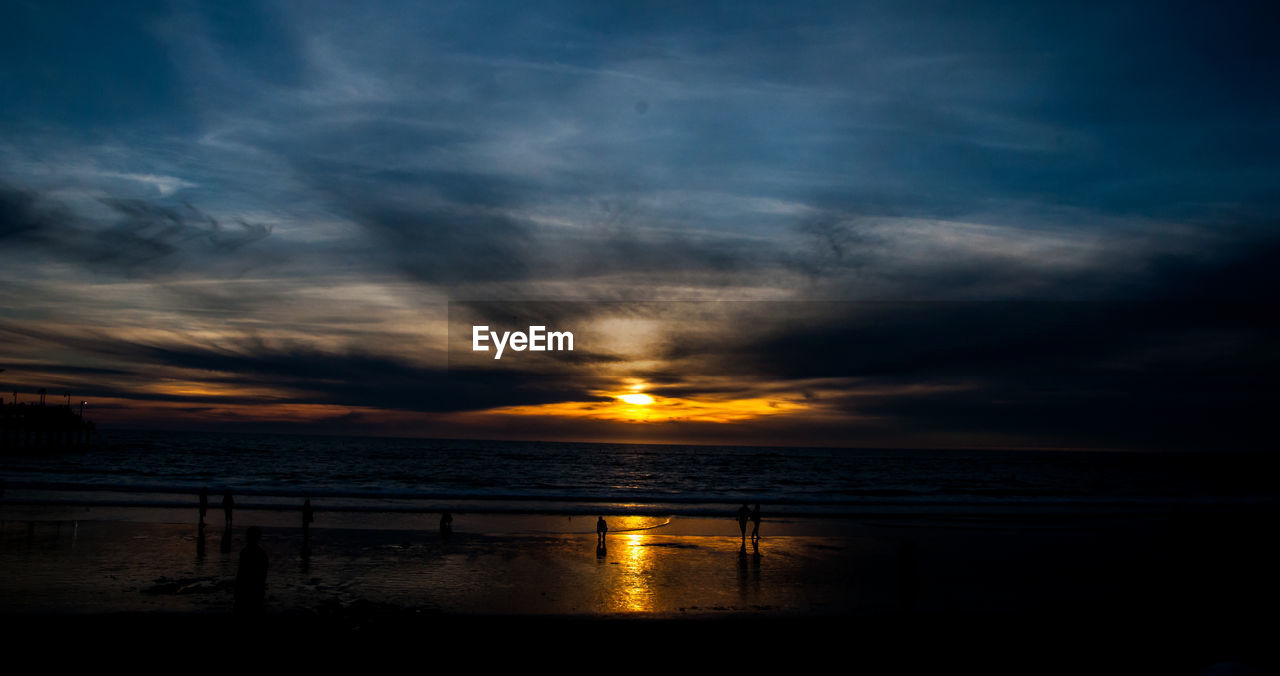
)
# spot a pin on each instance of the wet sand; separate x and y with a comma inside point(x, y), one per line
point(522, 566)
point(1207, 582)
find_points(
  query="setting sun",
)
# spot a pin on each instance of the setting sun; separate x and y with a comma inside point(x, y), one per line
point(637, 399)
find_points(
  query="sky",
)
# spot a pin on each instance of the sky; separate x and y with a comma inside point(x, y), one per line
point(1049, 225)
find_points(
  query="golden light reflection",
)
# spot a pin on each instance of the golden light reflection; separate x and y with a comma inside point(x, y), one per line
point(634, 586)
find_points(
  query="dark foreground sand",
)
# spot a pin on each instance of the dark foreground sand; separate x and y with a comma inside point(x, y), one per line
point(1177, 592)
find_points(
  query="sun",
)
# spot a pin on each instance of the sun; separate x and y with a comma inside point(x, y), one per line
point(637, 399)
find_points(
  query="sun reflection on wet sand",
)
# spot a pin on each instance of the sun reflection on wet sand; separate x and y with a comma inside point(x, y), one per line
point(110, 566)
point(633, 581)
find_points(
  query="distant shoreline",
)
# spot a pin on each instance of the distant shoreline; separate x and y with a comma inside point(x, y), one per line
point(167, 498)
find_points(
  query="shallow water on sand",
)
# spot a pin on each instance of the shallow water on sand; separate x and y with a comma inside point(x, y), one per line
point(1202, 567)
point(97, 566)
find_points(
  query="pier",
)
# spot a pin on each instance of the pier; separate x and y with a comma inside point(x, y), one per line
point(37, 426)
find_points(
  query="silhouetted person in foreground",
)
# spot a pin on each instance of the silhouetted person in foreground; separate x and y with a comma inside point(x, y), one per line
point(755, 525)
point(743, 514)
point(307, 517)
point(228, 506)
point(251, 576)
point(446, 524)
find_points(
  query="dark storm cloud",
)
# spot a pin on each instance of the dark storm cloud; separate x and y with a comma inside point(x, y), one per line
point(1185, 374)
point(63, 369)
point(21, 217)
point(1191, 366)
point(138, 239)
point(311, 376)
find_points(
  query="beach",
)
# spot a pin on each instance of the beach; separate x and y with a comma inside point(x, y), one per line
point(1202, 583)
point(1050, 559)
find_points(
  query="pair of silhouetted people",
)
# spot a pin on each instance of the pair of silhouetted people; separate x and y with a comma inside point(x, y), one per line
point(251, 575)
point(446, 524)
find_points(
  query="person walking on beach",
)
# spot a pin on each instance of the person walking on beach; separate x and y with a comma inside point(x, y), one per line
point(744, 513)
point(204, 505)
point(755, 523)
point(601, 529)
point(446, 524)
point(307, 517)
point(251, 576)
point(228, 505)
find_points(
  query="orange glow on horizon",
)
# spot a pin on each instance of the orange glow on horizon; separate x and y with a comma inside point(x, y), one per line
point(643, 408)
point(188, 388)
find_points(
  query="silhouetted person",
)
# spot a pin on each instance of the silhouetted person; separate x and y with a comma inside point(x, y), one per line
point(204, 509)
point(228, 505)
point(307, 517)
point(446, 524)
point(251, 576)
point(743, 514)
point(755, 525)
point(601, 529)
